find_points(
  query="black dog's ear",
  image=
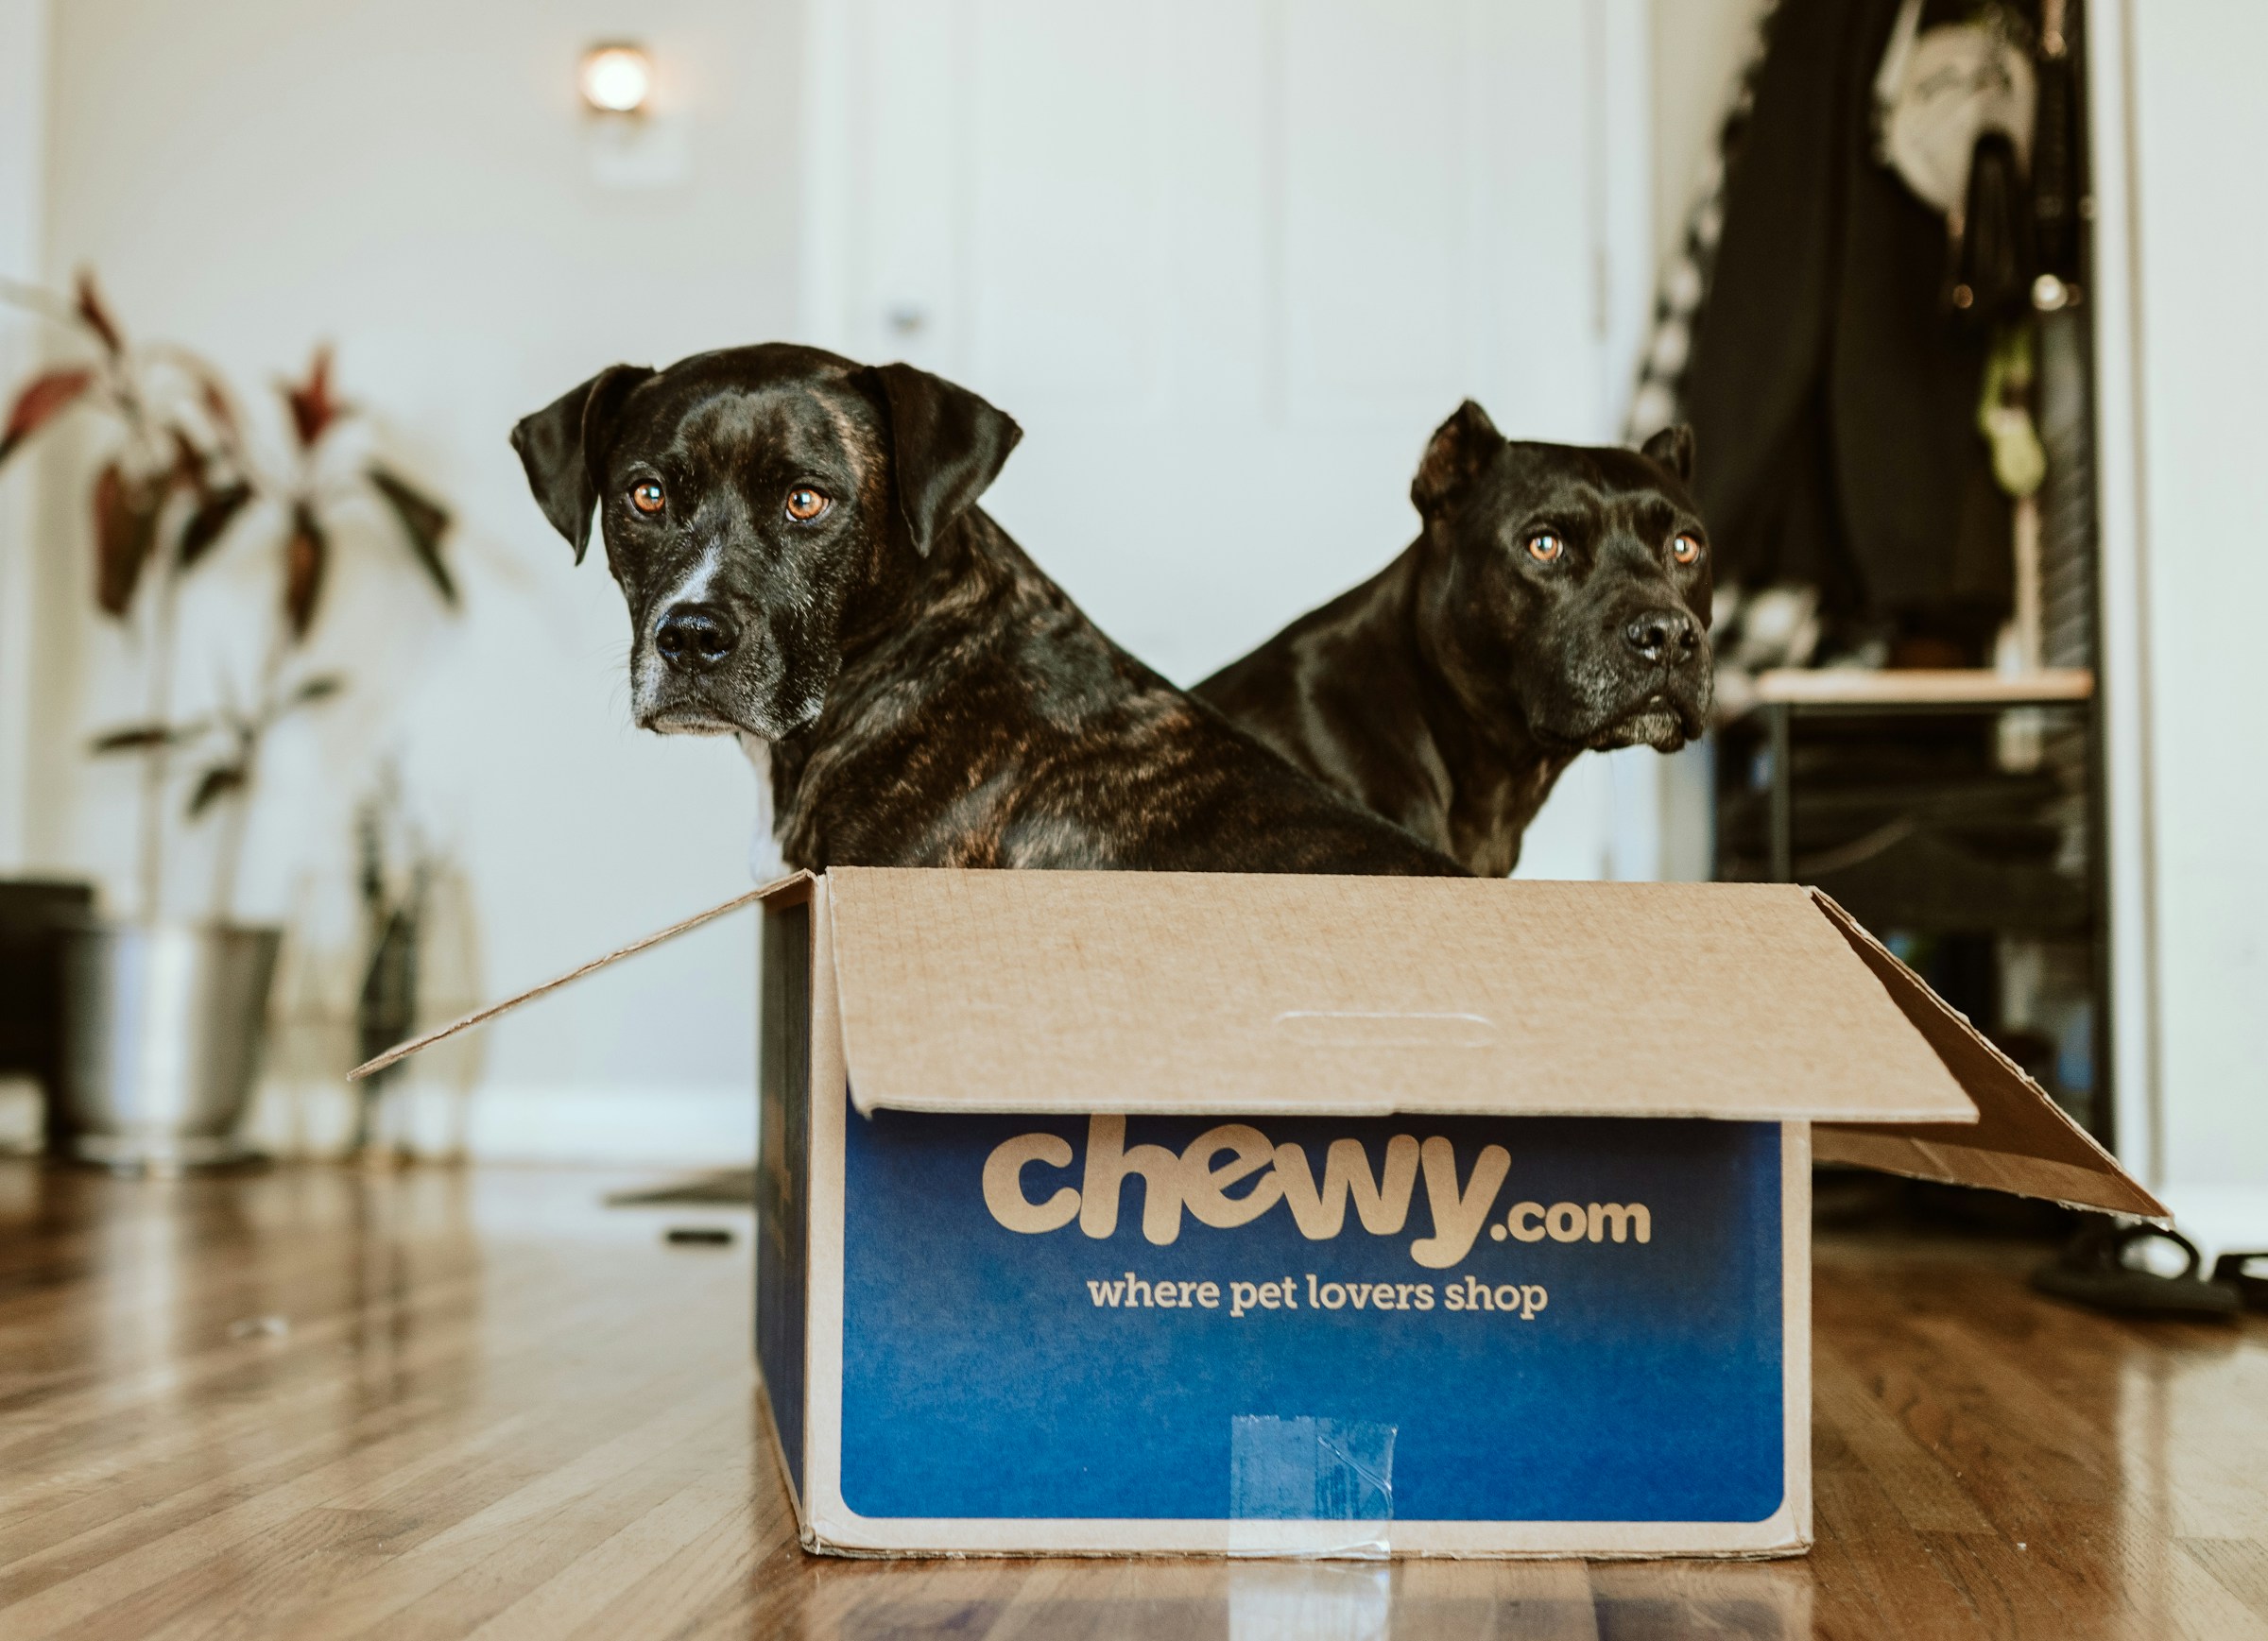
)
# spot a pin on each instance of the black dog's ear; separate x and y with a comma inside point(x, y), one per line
point(563, 447)
point(947, 446)
point(1671, 448)
point(1460, 449)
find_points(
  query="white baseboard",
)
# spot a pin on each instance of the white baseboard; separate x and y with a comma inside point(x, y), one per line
point(660, 1127)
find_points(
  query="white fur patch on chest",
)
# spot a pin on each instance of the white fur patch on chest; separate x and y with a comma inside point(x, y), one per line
point(765, 861)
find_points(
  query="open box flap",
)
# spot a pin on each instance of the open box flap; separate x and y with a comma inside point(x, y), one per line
point(795, 886)
point(2021, 1141)
point(1071, 992)
point(1074, 992)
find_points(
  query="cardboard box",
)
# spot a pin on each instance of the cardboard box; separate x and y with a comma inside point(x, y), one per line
point(1110, 1213)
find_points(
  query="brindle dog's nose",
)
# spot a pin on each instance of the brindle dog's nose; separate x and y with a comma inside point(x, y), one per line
point(695, 637)
point(1667, 637)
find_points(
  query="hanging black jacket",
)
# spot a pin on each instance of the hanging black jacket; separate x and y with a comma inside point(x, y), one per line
point(1832, 397)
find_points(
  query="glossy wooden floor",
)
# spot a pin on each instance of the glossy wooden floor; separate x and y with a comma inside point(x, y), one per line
point(316, 1404)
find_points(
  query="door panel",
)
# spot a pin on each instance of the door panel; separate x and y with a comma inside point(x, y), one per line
point(1229, 261)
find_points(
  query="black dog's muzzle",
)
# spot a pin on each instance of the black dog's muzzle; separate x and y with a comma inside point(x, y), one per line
point(694, 638)
point(1669, 637)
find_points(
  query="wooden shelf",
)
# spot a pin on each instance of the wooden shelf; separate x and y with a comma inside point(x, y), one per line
point(1952, 687)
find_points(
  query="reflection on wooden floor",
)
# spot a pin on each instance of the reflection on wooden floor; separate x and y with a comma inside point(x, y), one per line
point(316, 1404)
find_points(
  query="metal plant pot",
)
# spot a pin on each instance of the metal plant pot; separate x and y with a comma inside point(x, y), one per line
point(163, 1028)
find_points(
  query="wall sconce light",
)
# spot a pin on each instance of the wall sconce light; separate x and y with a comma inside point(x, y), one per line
point(616, 77)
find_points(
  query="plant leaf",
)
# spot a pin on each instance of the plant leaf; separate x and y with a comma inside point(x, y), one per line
point(424, 520)
point(43, 397)
point(214, 785)
point(96, 317)
point(319, 688)
point(134, 738)
point(125, 527)
point(310, 691)
point(215, 399)
point(211, 521)
point(305, 557)
point(313, 410)
point(189, 463)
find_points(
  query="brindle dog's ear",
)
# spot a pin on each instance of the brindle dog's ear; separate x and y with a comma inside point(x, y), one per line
point(563, 447)
point(947, 446)
point(1671, 448)
point(1460, 450)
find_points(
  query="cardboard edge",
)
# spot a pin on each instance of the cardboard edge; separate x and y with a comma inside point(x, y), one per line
point(1947, 1163)
point(796, 1503)
point(1246, 1105)
point(1781, 1535)
point(1795, 1325)
point(823, 1243)
point(1935, 1155)
point(786, 891)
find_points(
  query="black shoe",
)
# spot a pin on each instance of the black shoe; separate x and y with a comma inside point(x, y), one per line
point(2248, 1275)
point(2092, 1271)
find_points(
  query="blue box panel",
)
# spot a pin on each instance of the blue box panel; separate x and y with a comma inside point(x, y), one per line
point(990, 1373)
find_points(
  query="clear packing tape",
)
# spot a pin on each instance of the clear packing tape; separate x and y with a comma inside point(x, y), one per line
point(1307, 1487)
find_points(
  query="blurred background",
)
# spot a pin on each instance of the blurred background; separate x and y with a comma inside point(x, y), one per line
point(1960, 298)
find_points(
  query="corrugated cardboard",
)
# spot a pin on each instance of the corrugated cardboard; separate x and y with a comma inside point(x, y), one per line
point(1106, 991)
point(2021, 1141)
point(1118, 991)
point(946, 1371)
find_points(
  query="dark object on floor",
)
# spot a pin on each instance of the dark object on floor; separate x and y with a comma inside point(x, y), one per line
point(2092, 1271)
point(2246, 1274)
point(30, 977)
point(731, 1188)
point(698, 1237)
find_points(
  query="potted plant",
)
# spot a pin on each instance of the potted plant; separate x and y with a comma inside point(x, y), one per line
point(165, 1018)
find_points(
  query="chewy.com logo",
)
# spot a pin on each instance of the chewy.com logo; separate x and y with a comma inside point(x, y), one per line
point(1197, 1180)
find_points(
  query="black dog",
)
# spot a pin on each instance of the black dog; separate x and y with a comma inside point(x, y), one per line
point(1556, 599)
point(798, 540)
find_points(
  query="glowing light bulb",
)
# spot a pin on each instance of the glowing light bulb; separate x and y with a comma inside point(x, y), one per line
point(617, 78)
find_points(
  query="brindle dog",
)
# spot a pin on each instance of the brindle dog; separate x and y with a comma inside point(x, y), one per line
point(1556, 599)
point(797, 540)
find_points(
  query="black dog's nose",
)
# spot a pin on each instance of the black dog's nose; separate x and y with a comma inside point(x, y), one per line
point(1668, 638)
point(695, 637)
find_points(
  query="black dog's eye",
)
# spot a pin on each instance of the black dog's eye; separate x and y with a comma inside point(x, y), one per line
point(646, 495)
point(1546, 547)
point(1686, 549)
point(804, 504)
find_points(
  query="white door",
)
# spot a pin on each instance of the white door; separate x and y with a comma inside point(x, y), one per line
point(1229, 261)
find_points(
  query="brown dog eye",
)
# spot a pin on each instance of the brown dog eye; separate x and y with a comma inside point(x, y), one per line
point(1686, 549)
point(805, 504)
point(647, 497)
point(1545, 547)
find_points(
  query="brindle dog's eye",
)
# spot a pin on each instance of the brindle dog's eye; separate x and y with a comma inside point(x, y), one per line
point(805, 504)
point(647, 498)
point(1546, 547)
point(1686, 549)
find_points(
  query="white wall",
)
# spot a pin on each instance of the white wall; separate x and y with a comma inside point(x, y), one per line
point(1699, 48)
point(412, 181)
point(2186, 346)
point(23, 158)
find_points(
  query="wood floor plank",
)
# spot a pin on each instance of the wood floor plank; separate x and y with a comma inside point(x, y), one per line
point(494, 1408)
